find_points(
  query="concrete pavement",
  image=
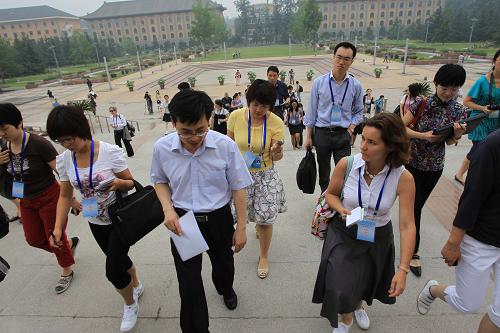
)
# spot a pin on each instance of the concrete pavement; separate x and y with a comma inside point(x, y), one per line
point(280, 303)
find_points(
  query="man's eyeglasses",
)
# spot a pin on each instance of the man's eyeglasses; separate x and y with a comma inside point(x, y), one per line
point(65, 140)
point(340, 58)
point(188, 135)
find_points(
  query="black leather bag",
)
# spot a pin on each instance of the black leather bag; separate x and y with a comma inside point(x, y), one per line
point(306, 173)
point(4, 223)
point(4, 268)
point(5, 183)
point(137, 214)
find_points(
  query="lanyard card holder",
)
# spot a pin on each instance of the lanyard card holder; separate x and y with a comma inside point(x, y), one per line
point(366, 231)
point(249, 158)
point(89, 207)
point(336, 114)
point(18, 190)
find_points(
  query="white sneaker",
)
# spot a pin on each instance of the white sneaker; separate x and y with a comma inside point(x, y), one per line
point(129, 317)
point(138, 291)
point(342, 328)
point(425, 299)
point(362, 319)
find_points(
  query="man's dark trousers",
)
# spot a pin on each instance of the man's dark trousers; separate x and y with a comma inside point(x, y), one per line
point(328, 141)
point(218, 233)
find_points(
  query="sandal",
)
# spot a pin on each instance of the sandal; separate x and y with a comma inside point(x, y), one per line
point(64, 283)
point(415, 265)
point(461, 182)
point(256, 232)
point(262, 273)
point(14, 219)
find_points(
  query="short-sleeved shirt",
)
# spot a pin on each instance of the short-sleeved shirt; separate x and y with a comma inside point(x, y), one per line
point(201, 182)
point(238, 124)
point(480, 95)
point(425, 155)
point(37, 173)
point(110, 161)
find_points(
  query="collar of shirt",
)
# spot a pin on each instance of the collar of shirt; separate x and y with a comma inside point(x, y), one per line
point(362, 164)
point(347, 75)
point(208, 142)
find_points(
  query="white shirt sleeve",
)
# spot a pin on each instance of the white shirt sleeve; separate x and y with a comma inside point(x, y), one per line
point(114, 155)
point(61, 166)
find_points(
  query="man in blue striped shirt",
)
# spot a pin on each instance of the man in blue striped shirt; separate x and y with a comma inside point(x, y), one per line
point(335, 108)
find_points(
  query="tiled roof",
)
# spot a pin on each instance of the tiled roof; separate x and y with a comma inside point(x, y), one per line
point(31, 13)
point(145, 7)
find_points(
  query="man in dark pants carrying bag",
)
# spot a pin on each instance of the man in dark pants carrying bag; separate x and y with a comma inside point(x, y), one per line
point(335, 108)
point(199, 170)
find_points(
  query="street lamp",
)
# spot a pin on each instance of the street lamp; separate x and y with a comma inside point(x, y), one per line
point(427, 22)
point(55, 58)
point(474, 20)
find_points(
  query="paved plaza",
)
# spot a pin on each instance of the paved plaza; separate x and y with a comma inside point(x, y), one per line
point(280, 303)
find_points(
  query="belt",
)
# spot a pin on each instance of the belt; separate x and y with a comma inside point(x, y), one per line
point(332, 128)
point(202, 217)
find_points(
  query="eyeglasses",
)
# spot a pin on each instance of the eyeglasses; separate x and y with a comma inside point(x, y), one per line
point(65, 140)
point(340, 58)
point(188, 135)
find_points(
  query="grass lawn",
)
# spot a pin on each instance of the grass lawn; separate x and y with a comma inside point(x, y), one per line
point(260, 52)
point(418, 44)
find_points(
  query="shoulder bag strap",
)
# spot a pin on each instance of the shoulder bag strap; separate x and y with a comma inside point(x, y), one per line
point(348, 169)
point(418, 114)
point(490, 93)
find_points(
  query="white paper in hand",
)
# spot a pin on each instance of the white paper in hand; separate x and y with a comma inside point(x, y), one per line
point(357, 215)
point(191, 242)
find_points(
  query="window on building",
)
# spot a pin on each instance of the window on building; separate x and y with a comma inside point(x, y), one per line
point(170, 19)
point(15, 34)
point(23, 33)
point(391, 14)
point(334, 8)
point(382, 23)
point(419, 13)
point(351, 24)
point(372, 6)
point(31, 33)
point(383, 5)
point(163, 36)
point(343, 16)
point(352, 16)
point(360, 24)
point(382, 14)
point(172, 36)
point(178, 18)
point(179, 27)
point(400, 13)
point(55, 31)
point(162, 28)
point(161, 20)
point(334, 25)
point(110, 32)
point(142, 22)
point(343, 25)
point(102, 33)
point(188, 26)
point(144, 37)
point(428, 12)
point(325, 26)
point(325, 9)
point(171, 28)
point(52, 23)
point(154, 37)
point(418, 21)
point(109, 25)
point(136, 38)
point(153, 29)
point(361, 15)
point(125, 23)
point(343, 8)
point(325, 17)
point(92, 26)
point(152, 21)
point(5, 35)
point(181, 35)
point(393, 5)
point(20, 25)
point(409, 13)
point(371, 23)
point(101, 26)
point(3, 27)
point(391, 22)
point(334, 16)
point(372, 15)
point(429, 3)
point(410, 4)
point(188, 18)
point(408, 22)
point(38, 32)
point(126, 31)
point(135, 30)
point(143, 30)
point(134, 23)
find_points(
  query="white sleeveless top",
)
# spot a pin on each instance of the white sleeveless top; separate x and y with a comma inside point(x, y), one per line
point(370, 194)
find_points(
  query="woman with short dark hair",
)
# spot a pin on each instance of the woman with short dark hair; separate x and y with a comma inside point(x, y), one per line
point(259, 134)
point(357, 262)
point(31, 161)
point(97, 169)
point(428, 150)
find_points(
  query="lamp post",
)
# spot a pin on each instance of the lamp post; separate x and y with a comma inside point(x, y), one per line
point(427, 30)
point(55, 58)
point(139, 63)
point(473, 20)
point(97, 55)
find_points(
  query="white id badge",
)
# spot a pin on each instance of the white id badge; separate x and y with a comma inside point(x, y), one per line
point(18, 190)
point(249, 158)
point(336, 114)
point(89, 207)
point(366, 231)
point(494, 114)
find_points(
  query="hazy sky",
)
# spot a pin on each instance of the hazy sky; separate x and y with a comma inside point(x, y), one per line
point(81, 8)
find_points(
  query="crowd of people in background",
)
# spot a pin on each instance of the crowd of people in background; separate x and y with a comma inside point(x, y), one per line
point(237, 142)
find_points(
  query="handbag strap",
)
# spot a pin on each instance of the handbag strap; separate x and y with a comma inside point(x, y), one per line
point(119, 194)
point(490, 92)
point(418, 115)
point(348, 169)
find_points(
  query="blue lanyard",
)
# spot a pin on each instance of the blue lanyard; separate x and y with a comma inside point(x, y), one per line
point(380, 194)
point(91, 168)
point(21, 157)
point(331, 91)
point(264, 131)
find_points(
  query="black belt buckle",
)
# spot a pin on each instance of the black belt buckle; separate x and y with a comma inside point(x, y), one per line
point(201, 218)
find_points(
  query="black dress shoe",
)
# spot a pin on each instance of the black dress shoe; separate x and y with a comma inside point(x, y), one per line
point(417, 267)
point(231, 300)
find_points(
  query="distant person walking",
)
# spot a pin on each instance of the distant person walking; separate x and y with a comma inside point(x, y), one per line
point(461, 59)
point(149, 102)
point(281, 91)
point(291, 76)
point(119, 124)
point(298, 90)
point(89, 84)
point(49, 93)
point(237, 77)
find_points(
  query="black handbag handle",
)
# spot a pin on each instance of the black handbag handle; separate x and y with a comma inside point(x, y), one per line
point(119, 195)
point(309, 152)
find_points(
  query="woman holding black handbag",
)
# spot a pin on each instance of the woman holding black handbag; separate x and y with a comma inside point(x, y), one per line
point(119, 124)
point(97, 169)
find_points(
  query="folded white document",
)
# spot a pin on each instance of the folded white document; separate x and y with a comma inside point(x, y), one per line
point(191, 242)
point(357, 215)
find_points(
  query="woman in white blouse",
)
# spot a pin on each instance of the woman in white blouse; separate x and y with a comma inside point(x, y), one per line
point(119, 124)
point(357, 262)
point(96, 169)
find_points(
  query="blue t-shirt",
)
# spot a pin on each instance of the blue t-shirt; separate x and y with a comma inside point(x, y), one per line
point(479, 93)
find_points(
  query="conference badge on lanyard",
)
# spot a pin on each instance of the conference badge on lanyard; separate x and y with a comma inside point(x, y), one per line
point(336, 109)
point(251, 159)
point(89, 204)
point(18, 186)
point(366, 228)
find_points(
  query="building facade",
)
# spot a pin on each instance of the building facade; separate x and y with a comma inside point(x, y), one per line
point(145, 21)
point(345, 17)
point(37, 22)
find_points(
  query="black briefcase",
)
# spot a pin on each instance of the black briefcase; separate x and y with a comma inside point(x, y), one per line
point(306, 173)
point(4, 268)
point(137, 214)
point(4, 223)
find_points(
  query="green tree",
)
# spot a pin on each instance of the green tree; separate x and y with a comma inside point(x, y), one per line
point(9, 65)
point(283, 19)
point(244, 17)
point(207, 27)
point(27, 56)
point(81, 50)
point(369, 34)
point(129, 46)
point(307, 20)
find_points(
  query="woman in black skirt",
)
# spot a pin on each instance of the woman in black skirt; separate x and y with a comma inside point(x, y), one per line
point(357, 263)
point(293, 120)
point(219, 117)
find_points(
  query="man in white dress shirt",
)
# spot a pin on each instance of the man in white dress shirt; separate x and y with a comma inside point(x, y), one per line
point(199, 170)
